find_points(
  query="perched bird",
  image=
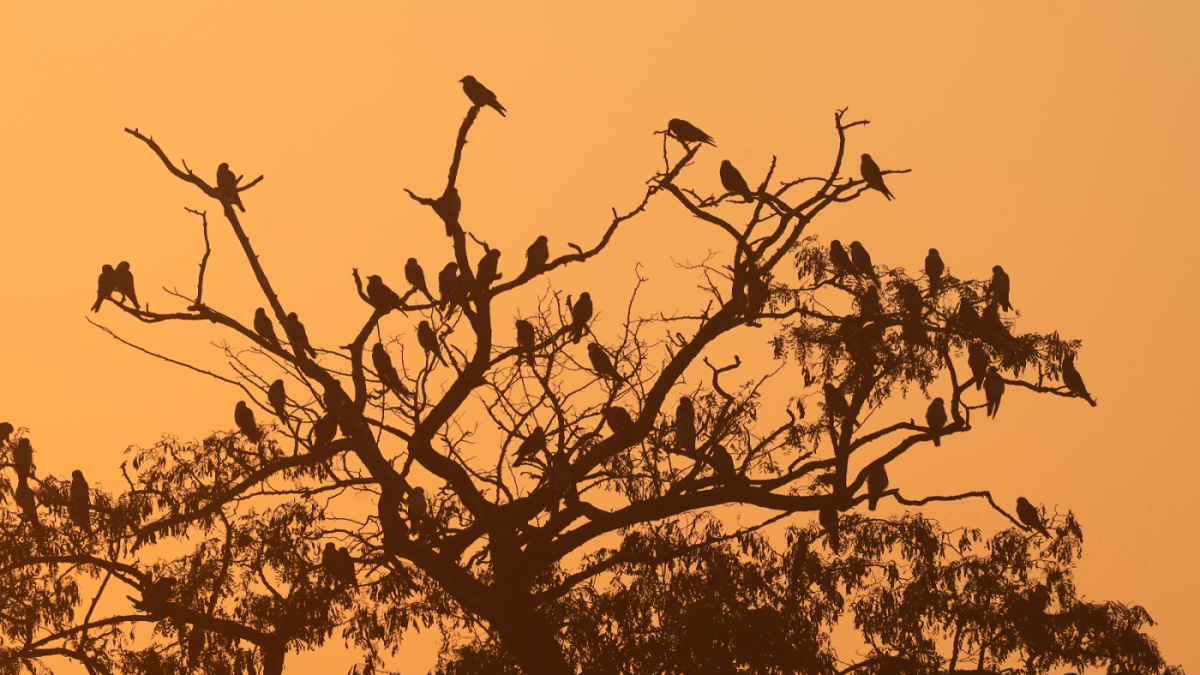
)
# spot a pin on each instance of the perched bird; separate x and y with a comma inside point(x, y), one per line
point(416, 277)
point(835, 401)
point(601, 363)
point(581, 313)
point(244, 417)
point(862, 260)
point(23, 459)
point(195, 648)
point(345, 567)
point(429, 341)
point(80, 505)
point(486, 273)
point(999, 288)
point(158, 592)
point(829, 521)
point(968, 318)
point(993, 328)
point(386, 371)
point(6, 430)
point(105, 285)
point(448, 281)
point(531, 446)
point(329, 560)
point(380, 295)
point(227, 185)
point(418, 508)
point(537, 255)
point(123, 283)
point(877, 484)
point(934, 267)
point(334, 398)
point(277, 397)
point(1028, 515)
point(993, 389)
point(873, 176)
point(526, 339)
point(27, 501)
point(395, 530)
point(618, 419)
point(685, 425)
point(978, 360)
point(481, 95)
point(264, 327)
point(869, 304)
point(448, 207)
point(685, 133)
point(732, 181)
point(561, 478)
point(1074, 380)
point(935, 417)
point(323, 430)
point(841, 260)
point(758, 292)
point(722, 463)
point(910, 297)
point(297, 335)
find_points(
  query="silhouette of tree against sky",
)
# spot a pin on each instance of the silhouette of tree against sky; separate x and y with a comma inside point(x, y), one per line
point(428, 429)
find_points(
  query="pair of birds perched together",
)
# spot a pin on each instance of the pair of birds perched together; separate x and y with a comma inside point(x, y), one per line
point(119, 280)
point(732, 179)
point(79, 501)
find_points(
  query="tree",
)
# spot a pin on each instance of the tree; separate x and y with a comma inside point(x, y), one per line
point(477, 519)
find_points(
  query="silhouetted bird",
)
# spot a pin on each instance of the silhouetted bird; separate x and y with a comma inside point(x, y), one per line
point(157, 592)
point(80, 505)
point(841, 260)
point(345, 567)
point(23, 459)
point(936, 418)
point(581, 313)
point(531, 446)
point(329, 561)
point(481, 95)
point(448, 280)
point(873, 176)
point(195, 648)
point(1000, 287)
point(27, 501)
point(124, 283)
point(993, 327)
point(264, 327)
point(993, 389)
point(395, 530)
point(561, 479)
point(380, 295)
point(277, 397)
point(429, 341)
point(324, 429)
point(877, 484)
point(732, 181)
point(601, 363)
point(297, 335)
point(537, 254)
point(968, 318)
point(1074, 380)
point(722, 462)
point(758, 292)
point(829, 521)
point(869, 304)
point(1029, 516)
point(448, 207)
point(105, 285)
point(6, 430)
point(685, 133)
point(934, 267)
point(862, 260)
point(835, 401)
point(486, 274)
point(244, 417)
point(910, 297)
point(227, 184)
point(334, 398)
point(618, 419)
point(685, 425)
point(978, 360)
point(416, 277)
point(418, 508)
point(526, 339)
point(386, 371)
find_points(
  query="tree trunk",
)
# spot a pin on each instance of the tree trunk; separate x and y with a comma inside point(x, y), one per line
point(273, 659)
point(533, 647)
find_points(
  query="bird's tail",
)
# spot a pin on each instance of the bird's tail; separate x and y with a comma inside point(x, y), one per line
point(96, 307)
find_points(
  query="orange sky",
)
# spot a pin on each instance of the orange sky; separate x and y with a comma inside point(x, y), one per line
point(1055, 138)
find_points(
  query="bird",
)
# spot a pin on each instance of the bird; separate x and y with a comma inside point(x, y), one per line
point(993, 389)
point(416, 277)
point(486, 273)
point(999, 287)
point(840, 259)
point(935, 417)
point(934, 267)
point(829, 521)
point(27, 501)
point(1074, 380)
point(618, 419)
point(862, 260)
point(758, 291)
point(978, 360)
point(334, 398)
point(581, 313)
point(732, 181)
point(381, 296)
point(6, 430)
point(531, 446)
point(418, 508)
point(395, 530)
point(448, 207)
point(264, 327)
point(536, 255)
point(835, 401)
point(345, 567)
point(877, 484)
point(105, 285)
point(910, 297)
point(685, 425)
point(324, 429)
point(195, 648)
point(329, 560)
point(297, 335)
point(448, 281)
point(1028, 515)
point(722, 463)
point(869, 304)
point(429, 342)
point(993, 327)
point(685, 133)
point(873, 176)
point(123, 283)
point(561, 478)
point(968, 318)
point(386, 371)
point(601, 363)
point(244, 417)
point(277, 397)
point(526, 340)
point(23, 459)
point(158, 592)
point(481, 95)
point(227, 184)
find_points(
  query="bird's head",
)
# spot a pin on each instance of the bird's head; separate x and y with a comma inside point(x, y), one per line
point(292, 317)
point(419, 491)
point(938, 402)
point(866, 158)
point(374, 279)
point(468, 80)
point(411, 262)
point(77, 474)
point(835, 244)
point(998, 269)
point(933, 251)
point(855, 244)
point(223, 166)
point(107, 269)
point(123, 266)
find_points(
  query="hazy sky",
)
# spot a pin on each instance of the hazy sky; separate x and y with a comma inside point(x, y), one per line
point(1055, 138)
